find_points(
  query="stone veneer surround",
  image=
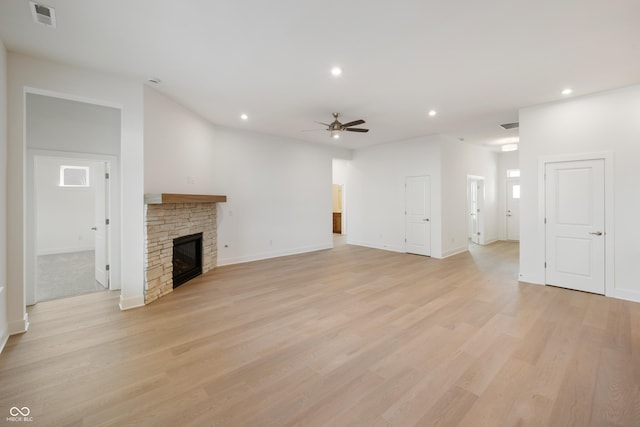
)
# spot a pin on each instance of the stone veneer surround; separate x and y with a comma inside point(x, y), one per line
point(165, 222)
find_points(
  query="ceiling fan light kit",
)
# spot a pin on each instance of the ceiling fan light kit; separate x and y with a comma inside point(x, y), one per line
point(335, 127)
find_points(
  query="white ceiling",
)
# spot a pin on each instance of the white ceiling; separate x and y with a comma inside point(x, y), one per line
point(475, 62)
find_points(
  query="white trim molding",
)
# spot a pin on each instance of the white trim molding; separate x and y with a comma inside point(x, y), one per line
point(627, 294)
point(455, 251)
point(131, 302)
point(4, 337)
point(268, 255)
point(20, 326)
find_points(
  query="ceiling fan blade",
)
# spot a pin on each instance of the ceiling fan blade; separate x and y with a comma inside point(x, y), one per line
point(353, 123)
point(356, 130)
point(325, 124)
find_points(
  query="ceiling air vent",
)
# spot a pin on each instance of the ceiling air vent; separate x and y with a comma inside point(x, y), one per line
point(508, 126)
point(42, 14)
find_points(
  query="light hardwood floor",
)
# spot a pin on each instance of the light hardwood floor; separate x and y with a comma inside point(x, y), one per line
point(345, 337)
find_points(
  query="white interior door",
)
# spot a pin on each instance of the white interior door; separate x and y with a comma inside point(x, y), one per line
point(513, 209)
point(474, 211)
point(575, 234)
point(100, 224)
point(417, 215)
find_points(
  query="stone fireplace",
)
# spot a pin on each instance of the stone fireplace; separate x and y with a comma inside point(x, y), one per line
point(177, 217)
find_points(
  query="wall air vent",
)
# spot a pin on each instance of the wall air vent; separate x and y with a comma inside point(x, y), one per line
point(508, 126)
point(42, 14)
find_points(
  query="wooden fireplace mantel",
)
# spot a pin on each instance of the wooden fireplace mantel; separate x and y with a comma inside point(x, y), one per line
point(160, 198)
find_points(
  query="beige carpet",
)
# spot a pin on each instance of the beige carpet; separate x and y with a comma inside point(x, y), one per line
point(64, 275)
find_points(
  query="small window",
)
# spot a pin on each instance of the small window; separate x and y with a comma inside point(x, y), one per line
point(516, 191)
point(513, 173)
point(74, 176)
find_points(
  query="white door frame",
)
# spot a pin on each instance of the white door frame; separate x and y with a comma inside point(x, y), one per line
point(343, 217)
point(480, 214)
point(608, 158)
point(31, 231)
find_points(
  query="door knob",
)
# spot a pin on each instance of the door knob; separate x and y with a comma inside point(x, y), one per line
point(426, 219)
point(94, 228)
point(597, 233)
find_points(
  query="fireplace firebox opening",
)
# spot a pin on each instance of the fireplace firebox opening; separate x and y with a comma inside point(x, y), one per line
point(187, 258)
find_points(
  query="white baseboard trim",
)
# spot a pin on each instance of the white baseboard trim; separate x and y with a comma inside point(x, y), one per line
point(490, 241)
point(275, 254)
point(383, 246)
point(19, 326)
point(531, 283)
point(522, 277)
point(455, 251)
point(627, 294)
point(59, 251)
point(4, 337)
point(131, 302)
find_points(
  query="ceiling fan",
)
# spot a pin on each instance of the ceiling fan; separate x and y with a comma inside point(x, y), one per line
point(336, 127)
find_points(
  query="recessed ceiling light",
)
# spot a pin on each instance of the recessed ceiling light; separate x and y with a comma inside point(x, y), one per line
point(432, 113)
point(567, 91)
point(509, 147)
point(244, 117)
point(336, 71)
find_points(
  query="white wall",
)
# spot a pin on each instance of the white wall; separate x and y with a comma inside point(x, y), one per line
point(608, 121)
point(376, 192)
point(506, 160)
point(340, 171)
point(27, 74)
point(178, 147)
point(66, 125)
point(375, 199)
point(459, 160)
point(4, 324)
point(65, 215)
point(278, 190)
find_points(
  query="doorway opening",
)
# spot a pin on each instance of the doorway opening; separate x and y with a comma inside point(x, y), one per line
point(78, 142)
point(475, 209)
point(340, 172)
point(337, 193)
point(70, 205)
